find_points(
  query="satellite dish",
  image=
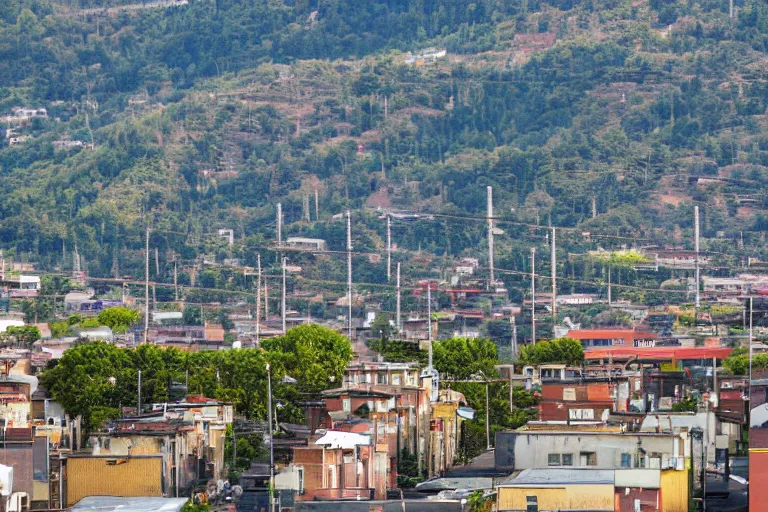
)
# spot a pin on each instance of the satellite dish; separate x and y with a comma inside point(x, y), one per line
point(237, 344)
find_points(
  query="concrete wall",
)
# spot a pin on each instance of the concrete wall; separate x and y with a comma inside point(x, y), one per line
point(103, 476)
point(518, 451)
point(19, 456)
point(592, 497)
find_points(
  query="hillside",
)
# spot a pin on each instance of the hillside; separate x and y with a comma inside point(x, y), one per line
point(205, 115)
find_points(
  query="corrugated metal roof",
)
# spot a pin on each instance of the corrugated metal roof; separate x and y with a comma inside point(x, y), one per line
point(559, 476)
point(115, 504)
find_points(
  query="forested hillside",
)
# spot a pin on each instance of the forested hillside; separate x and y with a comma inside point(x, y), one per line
point(605, 116)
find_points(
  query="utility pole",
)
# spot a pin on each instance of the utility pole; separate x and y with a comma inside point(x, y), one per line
point(271, 442)
point(492, 281)
point(397, 314)
point(554, 279)
point(282, 304)
point(698, 270)
point(258, 297)
point(349, 272)
point(317, 205)
point(730, 11)
point(138, 401)
point(514, 335)
point(750, 348)
point(389, 247)
point(594, 207)
point(533, 295)
point(429, 322)
point(266, 300)
point(175, 281)
point(609, 285)
point(279, 224)
point(146, 286)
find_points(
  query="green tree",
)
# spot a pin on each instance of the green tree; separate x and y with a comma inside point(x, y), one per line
point(24, 336)
point(461, 358)
point(380, 327)
point(313, 355)
point(118, 318)
point(560, 350)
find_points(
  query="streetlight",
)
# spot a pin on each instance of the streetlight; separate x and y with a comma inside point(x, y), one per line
point(286, 380)
point(271, 442)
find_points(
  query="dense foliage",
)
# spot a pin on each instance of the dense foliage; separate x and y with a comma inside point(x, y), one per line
point(96, 379)
point(560, 350)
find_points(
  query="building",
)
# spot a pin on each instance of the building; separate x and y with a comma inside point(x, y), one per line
point(161, 454)
point(557, 489)
point(730, 285)
point(29, 113)
point(576, 299)
point(669, 453)
point(758, 439)
point(22, 286)
point(590, 338)
point(589, 446)
point(581, 401)
point(625, 490)
point(342, 465)
point(228, 235)
point(307, 244)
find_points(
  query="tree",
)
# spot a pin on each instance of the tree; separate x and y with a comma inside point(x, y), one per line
point(313, 355)
point(461, 358)
point(92, 380)
point(560, 350)
point(24, 336)
point(380, 327)
point(118, 318)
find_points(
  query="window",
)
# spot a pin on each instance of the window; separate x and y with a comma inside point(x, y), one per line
point(395, 380)
point(567, 459)
point(532, 504)
point(381, 378)
point(300, 480)
point(553, 459)
point(588, 459)
point(626, 460)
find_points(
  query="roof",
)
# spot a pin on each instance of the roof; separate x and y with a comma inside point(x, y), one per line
point(334, 439)
point(133, 504)
point(663, 353)
point(559, 477)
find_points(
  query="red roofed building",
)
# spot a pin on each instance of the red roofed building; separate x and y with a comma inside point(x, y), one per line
point(590, 338)
point(655, 354)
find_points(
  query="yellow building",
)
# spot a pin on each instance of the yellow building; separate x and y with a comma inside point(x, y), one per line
point(113, 476)
point(557, 489)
